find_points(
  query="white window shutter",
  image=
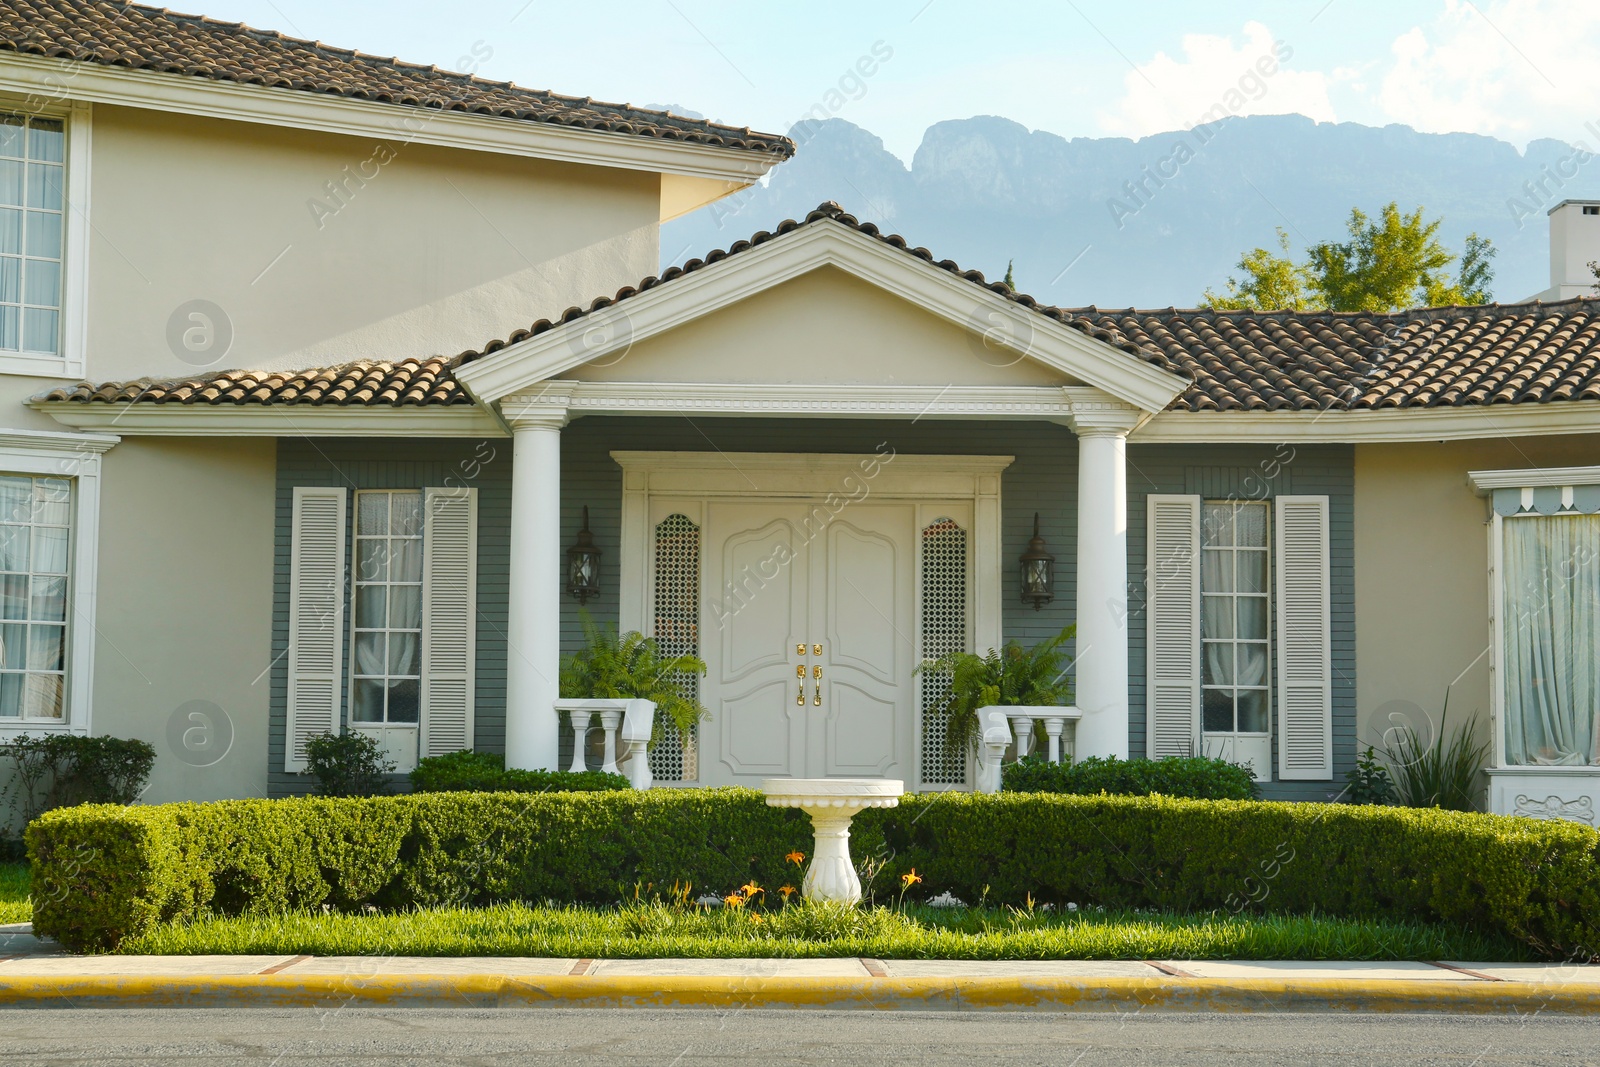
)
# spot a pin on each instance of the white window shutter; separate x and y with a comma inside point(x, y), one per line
point(1305, 658)
point(1172, 627)
point(449, 618)
point(316, 619)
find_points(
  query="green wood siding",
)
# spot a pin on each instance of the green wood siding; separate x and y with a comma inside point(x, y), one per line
point(1043, 478)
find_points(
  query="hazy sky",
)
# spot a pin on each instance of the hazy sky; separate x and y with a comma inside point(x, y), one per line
point(1515, 69)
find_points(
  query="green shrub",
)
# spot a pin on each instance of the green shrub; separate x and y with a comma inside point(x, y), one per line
point(348, 765)
point(485, 772)
point(59, 770)
point(1195, 777)
point(102, 874)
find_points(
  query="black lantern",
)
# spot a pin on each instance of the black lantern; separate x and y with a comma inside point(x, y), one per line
point(1038, 571)
point(583, 564)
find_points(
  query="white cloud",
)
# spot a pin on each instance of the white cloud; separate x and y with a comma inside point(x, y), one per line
point(1214, 78)
point(1515, 69)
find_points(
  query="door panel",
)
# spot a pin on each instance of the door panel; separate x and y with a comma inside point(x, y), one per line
point(862, 578)
point(864, 733)
point(778, 585)
point(752, 616)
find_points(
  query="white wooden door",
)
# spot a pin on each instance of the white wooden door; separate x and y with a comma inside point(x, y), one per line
point(807, 629)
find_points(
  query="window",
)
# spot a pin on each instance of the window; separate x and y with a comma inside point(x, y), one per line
point(32, 233)
point(387, 587)
point(1234, 611)
point(1550, 632)
point(35, 554)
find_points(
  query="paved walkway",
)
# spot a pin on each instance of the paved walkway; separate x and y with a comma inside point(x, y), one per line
point(23, 955)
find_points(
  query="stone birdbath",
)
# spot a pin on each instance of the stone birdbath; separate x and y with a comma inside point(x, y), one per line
point(832, 803)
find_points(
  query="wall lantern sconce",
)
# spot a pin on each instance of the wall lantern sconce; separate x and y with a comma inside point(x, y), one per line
point(1038, 571)
point(583, 564)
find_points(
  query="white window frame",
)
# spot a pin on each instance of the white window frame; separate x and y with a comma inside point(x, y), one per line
point(1526, 481)
point(1269, 735)
point(352, 667)
point(76, 457)
point(78, 116)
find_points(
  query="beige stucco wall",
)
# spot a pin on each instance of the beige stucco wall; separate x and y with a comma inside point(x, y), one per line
point(431, 250)
point(1422, 587)
point(184, 615)
point(824, 326)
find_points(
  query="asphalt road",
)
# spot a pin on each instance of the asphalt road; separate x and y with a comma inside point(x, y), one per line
point(578, 1038)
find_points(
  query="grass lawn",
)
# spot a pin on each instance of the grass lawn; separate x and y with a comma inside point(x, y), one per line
point(645, 931)
point(14, 906)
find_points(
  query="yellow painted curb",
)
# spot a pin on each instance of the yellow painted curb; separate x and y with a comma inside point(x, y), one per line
point(873, 994)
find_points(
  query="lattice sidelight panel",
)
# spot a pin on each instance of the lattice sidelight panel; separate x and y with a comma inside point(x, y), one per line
point(677, 633)
point(944, 630)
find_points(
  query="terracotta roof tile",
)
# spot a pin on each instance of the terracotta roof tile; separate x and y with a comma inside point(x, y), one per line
point(1234, 360)
point(134, 37)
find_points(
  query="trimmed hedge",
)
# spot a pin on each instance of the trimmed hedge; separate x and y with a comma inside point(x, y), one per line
point(103, 873)
point(485, 772)
point(1196, 778)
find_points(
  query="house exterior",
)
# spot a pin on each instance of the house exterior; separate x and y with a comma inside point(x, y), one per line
point(285, 456)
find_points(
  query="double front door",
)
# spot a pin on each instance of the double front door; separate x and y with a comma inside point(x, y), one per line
point(808, 628)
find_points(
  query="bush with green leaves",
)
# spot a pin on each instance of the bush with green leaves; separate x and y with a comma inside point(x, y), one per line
point(104, 873)
point(485, 772)
point(1368, 782)
point(348, 765)
point(1194, 777)
point(58, 770)
point(1012, 677)
point(632, 667)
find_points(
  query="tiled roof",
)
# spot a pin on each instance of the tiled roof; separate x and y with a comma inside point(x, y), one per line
point(369, 383)
point(1235, 360)
point(147, 38)
point(1425, 358)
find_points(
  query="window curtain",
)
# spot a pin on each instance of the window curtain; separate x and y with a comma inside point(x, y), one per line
point(1552, 639)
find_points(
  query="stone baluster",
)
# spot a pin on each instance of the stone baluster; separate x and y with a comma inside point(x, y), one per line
point(609, 721)
point(1053, 726)
point(580, 737)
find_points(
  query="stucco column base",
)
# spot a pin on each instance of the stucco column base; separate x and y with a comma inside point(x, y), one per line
point(832, 803)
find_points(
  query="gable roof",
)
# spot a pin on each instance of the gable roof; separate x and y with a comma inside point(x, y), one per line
point(135, 37)
point(1235, 361)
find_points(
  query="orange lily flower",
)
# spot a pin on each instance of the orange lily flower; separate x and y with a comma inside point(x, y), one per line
point(911, 879)
point(796, 858)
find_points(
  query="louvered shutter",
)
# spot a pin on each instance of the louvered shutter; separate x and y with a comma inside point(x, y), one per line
point(1172, 631)
point(1305, 660)
point(316, 619)
point(449, 618)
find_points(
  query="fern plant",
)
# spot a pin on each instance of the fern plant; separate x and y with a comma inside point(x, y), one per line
point(1012, 677)
point(631, 667)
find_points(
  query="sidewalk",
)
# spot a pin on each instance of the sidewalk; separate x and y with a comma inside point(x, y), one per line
point(37, 973)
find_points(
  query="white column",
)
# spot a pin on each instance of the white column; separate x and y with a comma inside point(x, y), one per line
point(1102, 424)
point(533, 616)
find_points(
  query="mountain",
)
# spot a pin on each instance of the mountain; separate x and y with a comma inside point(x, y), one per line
point(1153, 222)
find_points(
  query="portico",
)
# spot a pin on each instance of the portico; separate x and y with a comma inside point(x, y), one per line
point(855, 332)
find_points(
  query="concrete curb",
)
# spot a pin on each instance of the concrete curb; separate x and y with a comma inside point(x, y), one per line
point(874, 994)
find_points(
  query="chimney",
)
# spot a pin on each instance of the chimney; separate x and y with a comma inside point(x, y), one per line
point(1574, 244)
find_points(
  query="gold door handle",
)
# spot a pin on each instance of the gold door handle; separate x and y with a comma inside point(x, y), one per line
point(816, 672)
point(816, 700)
point(800, 670)
point(816, 650)
point(800, 649)
point(800, 696)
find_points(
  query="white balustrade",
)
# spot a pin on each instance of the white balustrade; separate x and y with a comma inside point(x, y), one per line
point(1003, 727)
point(627, 726)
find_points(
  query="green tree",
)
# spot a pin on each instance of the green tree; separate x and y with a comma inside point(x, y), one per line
point(1010, 282)
point(1388, 263)
point(1270, 281)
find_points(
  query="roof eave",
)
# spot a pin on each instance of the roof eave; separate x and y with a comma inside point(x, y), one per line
point(59, 79)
